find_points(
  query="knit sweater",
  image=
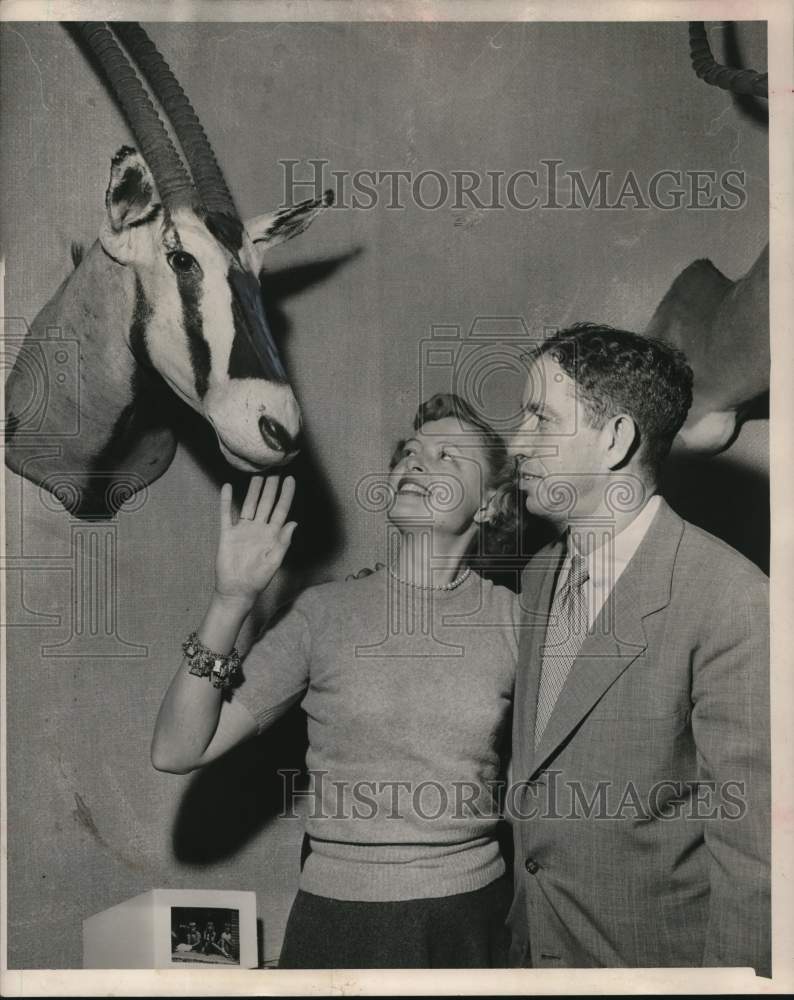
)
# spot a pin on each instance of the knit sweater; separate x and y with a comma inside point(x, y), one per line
point(407, 694)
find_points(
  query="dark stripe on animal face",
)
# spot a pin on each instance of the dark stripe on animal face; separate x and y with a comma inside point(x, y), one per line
point(253, 353)
point(200, 360)
point(141, 314)
point(227, 230)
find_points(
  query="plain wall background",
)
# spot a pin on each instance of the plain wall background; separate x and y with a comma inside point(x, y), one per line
point(90, 822)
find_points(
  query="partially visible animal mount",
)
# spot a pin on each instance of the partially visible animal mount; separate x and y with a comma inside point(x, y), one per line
point(167, 300)
point(721, 325)
point(723, 328)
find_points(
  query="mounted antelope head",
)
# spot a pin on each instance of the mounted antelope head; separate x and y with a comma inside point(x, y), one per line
point(721, 325)
point(168, 296)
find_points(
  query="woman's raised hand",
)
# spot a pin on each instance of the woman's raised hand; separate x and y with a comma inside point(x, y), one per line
point(251, 549)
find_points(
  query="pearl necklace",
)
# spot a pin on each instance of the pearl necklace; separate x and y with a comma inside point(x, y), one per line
point(430, 586)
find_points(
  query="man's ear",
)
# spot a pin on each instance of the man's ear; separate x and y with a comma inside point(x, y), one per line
point(622, 439)
point(273, 228)
point(130, 199)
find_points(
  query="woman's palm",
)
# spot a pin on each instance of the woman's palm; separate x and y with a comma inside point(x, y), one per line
point(251, 549)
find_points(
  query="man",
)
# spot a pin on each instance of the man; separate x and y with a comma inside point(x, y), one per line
point(641, 722)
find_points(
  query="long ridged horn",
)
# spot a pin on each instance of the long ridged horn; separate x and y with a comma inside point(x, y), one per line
point(738, 81)
point(207, 175)
point(172, 179)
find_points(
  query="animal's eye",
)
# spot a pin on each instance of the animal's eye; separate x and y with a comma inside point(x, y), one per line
point(182, 262)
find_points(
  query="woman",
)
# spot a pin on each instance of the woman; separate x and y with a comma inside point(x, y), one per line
point(406, 677)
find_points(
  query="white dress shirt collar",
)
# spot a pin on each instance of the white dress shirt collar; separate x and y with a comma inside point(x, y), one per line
point(607, 560)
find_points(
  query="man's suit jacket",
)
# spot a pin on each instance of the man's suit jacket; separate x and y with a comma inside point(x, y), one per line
point(642, 820)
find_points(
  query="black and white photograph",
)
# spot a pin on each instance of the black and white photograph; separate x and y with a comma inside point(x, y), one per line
point(396, 444)
point(205, 934)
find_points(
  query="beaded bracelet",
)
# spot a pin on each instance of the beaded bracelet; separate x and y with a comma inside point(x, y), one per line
point(223, 669)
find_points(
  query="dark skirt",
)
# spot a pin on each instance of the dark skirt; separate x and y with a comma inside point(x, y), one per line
point(466, 930)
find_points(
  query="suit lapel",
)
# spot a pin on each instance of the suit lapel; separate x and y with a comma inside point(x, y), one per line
point(537, 590)
point(601, 660)
point(613, 644)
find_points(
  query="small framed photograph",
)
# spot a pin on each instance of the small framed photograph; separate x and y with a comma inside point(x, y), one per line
point(206, 934)
point(170, 928)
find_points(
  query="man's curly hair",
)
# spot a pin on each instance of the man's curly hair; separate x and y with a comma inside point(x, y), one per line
point(617, 371)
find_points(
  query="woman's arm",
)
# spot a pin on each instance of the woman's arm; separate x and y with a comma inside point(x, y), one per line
point(196, 724)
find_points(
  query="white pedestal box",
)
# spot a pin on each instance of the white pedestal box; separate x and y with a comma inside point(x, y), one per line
point(174, 929)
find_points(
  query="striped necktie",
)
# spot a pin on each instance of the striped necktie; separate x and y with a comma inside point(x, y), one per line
point(565, 634)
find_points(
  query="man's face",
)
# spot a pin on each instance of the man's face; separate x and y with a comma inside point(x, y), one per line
point(560, 456)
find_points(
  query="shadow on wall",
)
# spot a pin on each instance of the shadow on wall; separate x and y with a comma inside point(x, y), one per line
point(316, 540)
point(723, 497)
point(721, 494)
point(231, 801)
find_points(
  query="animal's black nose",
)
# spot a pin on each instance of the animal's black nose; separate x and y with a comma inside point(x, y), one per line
point(276, 436)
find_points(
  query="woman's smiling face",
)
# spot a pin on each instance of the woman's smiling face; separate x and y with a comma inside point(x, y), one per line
point(440, 478)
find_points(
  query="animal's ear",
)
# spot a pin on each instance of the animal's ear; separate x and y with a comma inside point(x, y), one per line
point(269, 230)
point(131, 197)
